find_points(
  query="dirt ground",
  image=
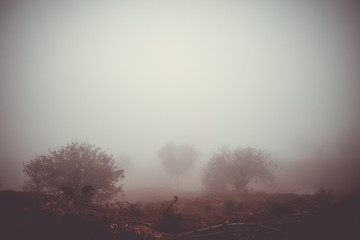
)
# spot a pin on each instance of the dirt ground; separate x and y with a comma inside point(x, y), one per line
point(226, 215)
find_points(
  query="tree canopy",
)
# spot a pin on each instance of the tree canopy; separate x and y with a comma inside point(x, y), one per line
point(235, 169)
point(77, 170)
point(177, 159)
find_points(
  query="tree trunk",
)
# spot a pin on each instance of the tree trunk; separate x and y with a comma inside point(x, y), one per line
point(178, 182)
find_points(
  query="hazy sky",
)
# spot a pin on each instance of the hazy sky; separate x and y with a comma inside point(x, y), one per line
point(130, 76)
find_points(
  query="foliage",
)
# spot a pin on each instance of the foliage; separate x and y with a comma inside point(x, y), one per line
point(216, 176)
point(324, 196)
point(323, 192)
point(235, 169)
point(170, 220)
point(78, 170)
point(231, 206)
point(178, 159)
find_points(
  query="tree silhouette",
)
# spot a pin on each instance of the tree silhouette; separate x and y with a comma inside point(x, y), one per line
point(235, 169)
point(78, 170)
point(178, 159)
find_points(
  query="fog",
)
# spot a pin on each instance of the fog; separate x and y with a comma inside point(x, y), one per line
point(131, 76)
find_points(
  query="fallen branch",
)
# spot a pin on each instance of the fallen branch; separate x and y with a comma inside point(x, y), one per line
point(226, 226)
point(271, 228)
point(216, 227)
point(141, 223)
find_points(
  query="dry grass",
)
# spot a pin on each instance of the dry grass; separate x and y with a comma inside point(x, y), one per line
point(43, 217)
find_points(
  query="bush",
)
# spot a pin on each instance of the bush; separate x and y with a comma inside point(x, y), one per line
point(232, 206)
point(80, 171)
point(235, 169)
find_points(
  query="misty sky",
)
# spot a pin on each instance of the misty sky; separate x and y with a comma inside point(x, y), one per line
point(130, 76)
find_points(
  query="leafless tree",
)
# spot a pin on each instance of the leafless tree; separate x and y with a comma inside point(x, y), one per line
point(73, 168)
point(235, 169)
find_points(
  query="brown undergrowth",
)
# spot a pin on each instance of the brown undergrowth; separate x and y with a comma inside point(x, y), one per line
point(227, 215)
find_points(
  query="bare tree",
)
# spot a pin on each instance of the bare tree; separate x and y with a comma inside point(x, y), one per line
point(235, 169)
point(178, 159)
point(78, 170)
point(216, 173)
